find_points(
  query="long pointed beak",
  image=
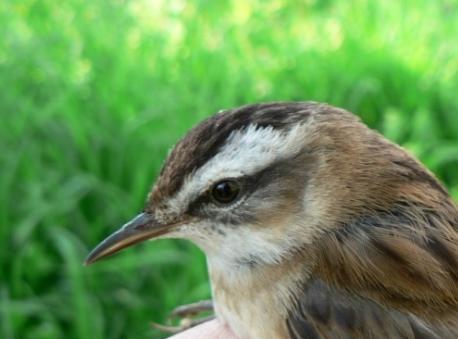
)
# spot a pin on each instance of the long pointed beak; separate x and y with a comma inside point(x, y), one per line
point(144, 226)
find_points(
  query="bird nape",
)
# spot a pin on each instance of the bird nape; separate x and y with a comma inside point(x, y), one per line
point(314, 225)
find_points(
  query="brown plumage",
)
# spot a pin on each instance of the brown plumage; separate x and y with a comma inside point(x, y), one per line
point(333, 231)
point(390, 267)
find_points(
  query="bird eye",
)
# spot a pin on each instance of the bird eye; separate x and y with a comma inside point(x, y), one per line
point(225, 191)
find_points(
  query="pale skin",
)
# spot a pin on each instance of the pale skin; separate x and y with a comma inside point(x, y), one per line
point(212, 329)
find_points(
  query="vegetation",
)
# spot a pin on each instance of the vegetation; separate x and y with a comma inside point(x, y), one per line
point(94, 93)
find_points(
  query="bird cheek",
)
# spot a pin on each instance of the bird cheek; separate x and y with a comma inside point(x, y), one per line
point(207, 235)
point(275, 217)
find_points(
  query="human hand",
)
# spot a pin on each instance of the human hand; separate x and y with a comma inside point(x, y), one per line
point(212, 329)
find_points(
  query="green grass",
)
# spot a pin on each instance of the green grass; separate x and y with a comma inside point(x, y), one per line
point(94, 93)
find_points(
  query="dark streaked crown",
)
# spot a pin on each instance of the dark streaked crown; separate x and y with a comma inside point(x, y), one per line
point(205, 140)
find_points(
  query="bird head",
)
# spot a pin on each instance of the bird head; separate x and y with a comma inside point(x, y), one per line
point(241, 185)
point(256, 184)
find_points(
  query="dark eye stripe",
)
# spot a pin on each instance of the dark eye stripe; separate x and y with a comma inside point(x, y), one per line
point(283, 168)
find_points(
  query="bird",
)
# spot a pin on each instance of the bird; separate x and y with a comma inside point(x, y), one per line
point(313, 225)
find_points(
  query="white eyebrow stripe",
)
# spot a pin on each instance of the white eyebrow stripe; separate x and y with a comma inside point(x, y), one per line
point(245, 152)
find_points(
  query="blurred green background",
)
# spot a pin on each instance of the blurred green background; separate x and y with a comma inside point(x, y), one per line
point(94, 93)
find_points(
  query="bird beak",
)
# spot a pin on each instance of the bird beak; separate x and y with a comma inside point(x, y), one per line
point(144, 226)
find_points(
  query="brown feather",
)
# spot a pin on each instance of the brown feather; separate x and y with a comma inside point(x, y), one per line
point(396, 239)
point(375, 250)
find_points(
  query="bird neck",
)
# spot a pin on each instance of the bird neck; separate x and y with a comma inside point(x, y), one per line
point(241, 291)
point(403, 258)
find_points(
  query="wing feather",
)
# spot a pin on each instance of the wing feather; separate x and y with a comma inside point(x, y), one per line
point(325, 312)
